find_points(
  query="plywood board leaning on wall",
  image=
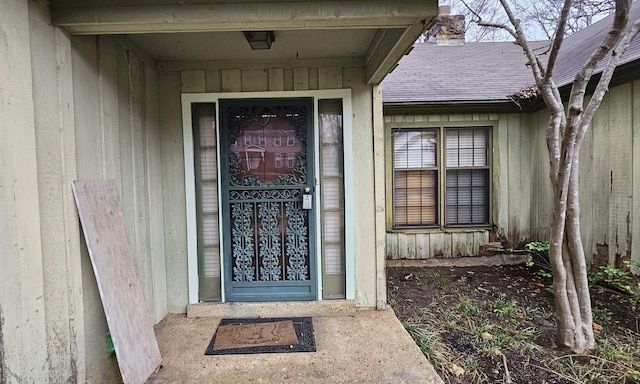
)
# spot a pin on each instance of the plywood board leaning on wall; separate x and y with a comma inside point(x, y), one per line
point(119, 284)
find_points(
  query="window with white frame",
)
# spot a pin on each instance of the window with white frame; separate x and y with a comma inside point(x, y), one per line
point(441, 177)
point(291, 160)
point(277, 159)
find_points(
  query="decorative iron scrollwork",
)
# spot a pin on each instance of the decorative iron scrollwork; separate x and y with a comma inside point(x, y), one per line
point(243, 247)
point(262, 194)
point(240, 177)
point(270, 247)
point(297, 242)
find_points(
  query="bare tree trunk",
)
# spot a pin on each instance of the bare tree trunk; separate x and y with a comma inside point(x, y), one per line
point(564, 135)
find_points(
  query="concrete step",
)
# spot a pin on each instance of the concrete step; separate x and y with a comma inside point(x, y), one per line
point(272, 309)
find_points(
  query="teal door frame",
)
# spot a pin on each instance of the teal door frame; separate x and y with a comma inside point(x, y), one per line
point(242, 281)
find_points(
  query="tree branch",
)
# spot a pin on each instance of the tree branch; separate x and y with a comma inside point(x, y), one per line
point(611, 40)
point(607, 73)
point(558, 39)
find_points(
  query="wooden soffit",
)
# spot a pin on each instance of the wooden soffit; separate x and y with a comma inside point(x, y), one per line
point(398, 23)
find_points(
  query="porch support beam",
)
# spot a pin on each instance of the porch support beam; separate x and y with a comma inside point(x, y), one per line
point(237, 16)
point(388, 47)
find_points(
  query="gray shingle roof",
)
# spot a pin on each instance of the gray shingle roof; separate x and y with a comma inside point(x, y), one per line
point(487, 71)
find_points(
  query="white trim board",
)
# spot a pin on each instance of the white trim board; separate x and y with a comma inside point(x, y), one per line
point(192, 233)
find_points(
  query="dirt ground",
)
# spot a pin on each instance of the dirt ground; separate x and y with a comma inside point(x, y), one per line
point(410, 289)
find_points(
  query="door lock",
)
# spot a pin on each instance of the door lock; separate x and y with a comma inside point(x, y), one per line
point(307, 199)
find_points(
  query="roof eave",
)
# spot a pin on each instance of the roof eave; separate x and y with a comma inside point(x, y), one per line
point(450, 106)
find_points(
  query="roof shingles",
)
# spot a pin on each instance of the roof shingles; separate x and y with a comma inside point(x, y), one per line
point(488, 71)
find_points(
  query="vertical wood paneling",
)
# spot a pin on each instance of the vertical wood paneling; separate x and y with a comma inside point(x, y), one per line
point(621, 160)
point(193, 81)
point(435, 244)
point(153, 159)
point(231, 80)
point(526, 168)
point(89, 165)
point(330, 77)
point(601, 174)
point(411, 246)
point(586, 182)
point(276, 79)
point(354, 76)
point(50, 69)
point(300, 79)
point(501, 176)
point(173, 191)
point(402, 245)
point(462, 244)
point(87, 98)
point(480, 238)
point(124, 92)
point(544, 192)
point(514, 169)
point(23, 323)
point(213, 81)
point(423, 246)
point(255, 80)
point(288, 79)
point(439, 246)
point(139, 173)
point(392, 246)
point(313, 78)
point(635, 209)
point(107, 78)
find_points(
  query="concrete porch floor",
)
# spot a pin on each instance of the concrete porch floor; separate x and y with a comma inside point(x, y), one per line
point(352, 346)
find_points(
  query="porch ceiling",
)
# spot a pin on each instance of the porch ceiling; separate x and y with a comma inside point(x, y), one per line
point(371, 33)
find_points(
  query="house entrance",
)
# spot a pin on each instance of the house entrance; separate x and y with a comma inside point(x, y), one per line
point(267, 170)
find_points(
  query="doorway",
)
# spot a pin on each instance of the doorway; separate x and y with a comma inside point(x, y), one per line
point(267, 184)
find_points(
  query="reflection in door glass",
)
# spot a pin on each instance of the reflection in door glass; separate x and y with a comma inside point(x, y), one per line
point(260, 150)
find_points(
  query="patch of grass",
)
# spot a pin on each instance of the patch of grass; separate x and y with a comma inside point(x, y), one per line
point(429, 343)
point(601, 316)
point(475, 336)
point(505, 308)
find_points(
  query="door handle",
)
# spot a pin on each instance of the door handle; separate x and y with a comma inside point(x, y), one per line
point(307, 198)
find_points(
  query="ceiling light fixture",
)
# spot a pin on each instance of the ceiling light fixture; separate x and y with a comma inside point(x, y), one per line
point(260, 39)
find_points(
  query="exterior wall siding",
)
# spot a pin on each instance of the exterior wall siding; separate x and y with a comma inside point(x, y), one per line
point(117, 137)
point(23, 311)
point(522, 193)
point(511, 187)
point(175, 81)
point(76, 108)
point(609, 167)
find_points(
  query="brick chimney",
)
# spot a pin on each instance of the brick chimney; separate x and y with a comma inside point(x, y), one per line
point(449, 30)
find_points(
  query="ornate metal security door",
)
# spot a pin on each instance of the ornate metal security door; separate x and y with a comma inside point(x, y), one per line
point(267, 169)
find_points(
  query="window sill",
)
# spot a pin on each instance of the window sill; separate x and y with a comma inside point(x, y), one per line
point(440, 230)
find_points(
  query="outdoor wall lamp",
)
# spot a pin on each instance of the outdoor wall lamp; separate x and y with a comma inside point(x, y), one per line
point(260, 39)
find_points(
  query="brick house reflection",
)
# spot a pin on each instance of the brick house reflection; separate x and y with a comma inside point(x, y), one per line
point(267, 147)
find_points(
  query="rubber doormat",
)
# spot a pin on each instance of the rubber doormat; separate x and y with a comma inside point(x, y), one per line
point(262, 335)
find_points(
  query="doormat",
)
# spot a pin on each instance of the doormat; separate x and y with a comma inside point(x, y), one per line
point(263, 335)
